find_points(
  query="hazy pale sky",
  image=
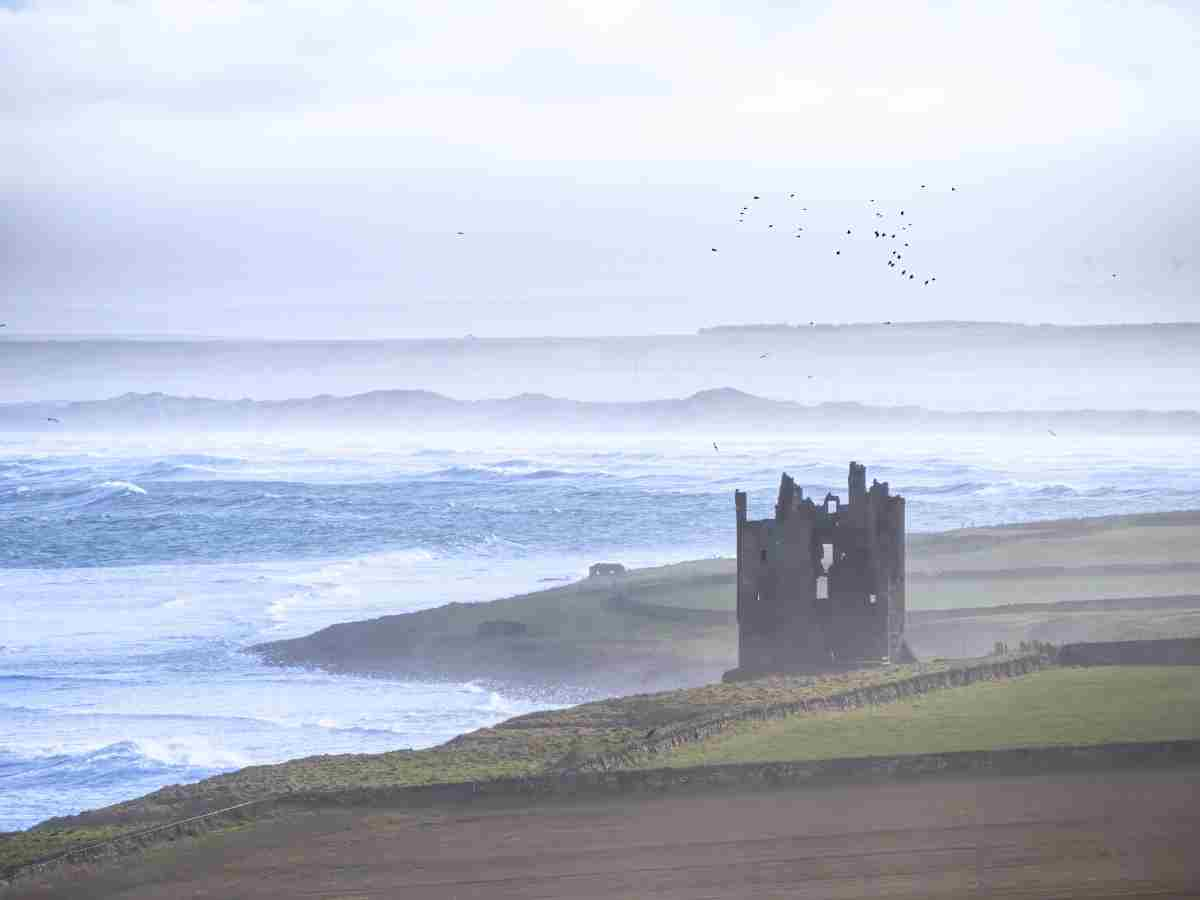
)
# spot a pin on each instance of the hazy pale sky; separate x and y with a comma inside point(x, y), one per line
point(302, 169)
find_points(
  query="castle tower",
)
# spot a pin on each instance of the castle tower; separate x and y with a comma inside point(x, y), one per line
point(821, 586)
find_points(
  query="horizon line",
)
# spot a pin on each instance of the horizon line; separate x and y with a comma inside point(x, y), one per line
point(133, 336)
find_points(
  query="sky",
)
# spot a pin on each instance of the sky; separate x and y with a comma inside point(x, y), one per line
point(302, 170)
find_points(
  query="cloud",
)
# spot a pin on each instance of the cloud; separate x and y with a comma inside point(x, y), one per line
point(596, 80)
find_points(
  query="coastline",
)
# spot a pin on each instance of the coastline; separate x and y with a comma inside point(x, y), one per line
point(672, 627)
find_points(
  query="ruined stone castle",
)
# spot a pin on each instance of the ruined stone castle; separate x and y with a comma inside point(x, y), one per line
point(821, 585)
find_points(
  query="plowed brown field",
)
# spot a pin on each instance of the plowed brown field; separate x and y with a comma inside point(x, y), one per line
point(1119, 834)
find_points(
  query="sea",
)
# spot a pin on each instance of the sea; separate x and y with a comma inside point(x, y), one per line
point(136, 568)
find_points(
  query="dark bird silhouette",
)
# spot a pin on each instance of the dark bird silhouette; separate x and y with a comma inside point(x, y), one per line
point(953, 188)
point(1114, 274)
point(764, 356)
point(847, 231)
point(837, 252)
point(52, 419)
point(3, 324)
point(714, 249)
point(770, 226)
point(1052, 434)
point(811, 376)
point(910, 277)
point(926, 281)
point(756, 197)
point(460, 233)
point(901, 212)
point(791, 196)
point(922, 187)
point(888, 322)
point(715, 447)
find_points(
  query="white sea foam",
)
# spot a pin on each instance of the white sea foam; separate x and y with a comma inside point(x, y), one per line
point(126, 486)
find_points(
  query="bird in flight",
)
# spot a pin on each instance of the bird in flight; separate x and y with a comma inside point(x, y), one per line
point(52, 419)
point(1052, 434)
point(715, 447)
point(714, 249)
point(764, 356)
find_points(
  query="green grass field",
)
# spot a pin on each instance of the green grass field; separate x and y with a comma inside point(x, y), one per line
point(1059, 706)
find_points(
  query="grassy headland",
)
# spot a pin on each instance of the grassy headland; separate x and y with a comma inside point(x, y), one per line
point(674, 626)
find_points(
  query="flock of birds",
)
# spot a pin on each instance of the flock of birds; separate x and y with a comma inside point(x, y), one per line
point(893, 230)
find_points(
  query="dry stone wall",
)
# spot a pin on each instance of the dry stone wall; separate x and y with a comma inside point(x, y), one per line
point(669, 738)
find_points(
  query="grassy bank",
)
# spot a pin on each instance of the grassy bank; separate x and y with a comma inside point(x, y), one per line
point(1053, 707)
point(532, 744)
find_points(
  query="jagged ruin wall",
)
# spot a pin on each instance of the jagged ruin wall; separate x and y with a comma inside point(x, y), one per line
point(821, 585)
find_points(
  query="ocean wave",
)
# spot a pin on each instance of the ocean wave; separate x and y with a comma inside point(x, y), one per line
point(1054, 490)
point(958, 488)
point(51, 498)
point(487, 473)
point(163, 471)
point(192, 756)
